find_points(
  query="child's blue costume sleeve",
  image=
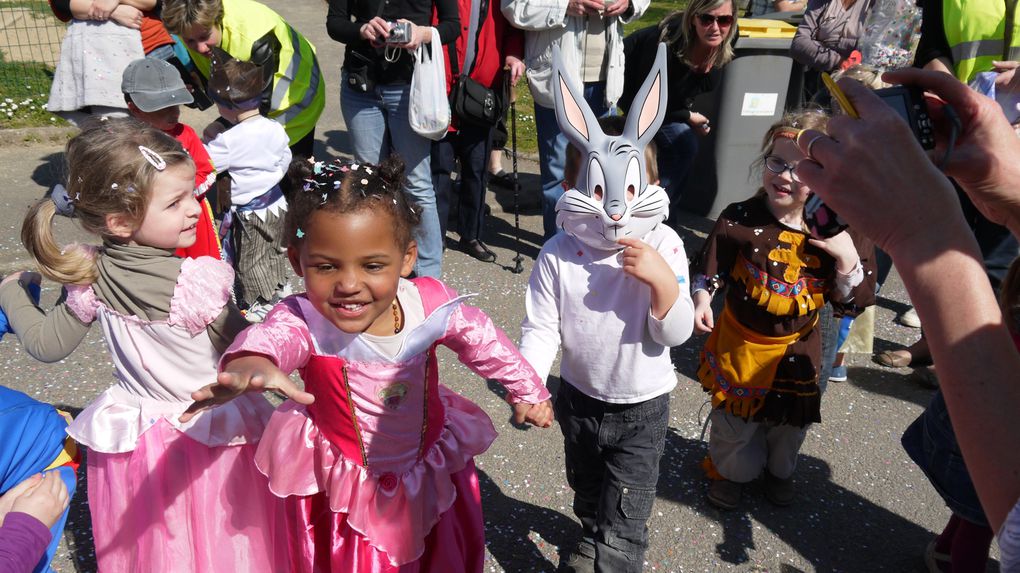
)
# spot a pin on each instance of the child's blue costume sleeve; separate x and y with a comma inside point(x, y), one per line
point(32, 435)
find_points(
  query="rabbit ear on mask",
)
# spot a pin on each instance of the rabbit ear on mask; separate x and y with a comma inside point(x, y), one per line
point(649, 108)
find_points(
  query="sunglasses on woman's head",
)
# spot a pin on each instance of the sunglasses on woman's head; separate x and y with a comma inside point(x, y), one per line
point(725, 21)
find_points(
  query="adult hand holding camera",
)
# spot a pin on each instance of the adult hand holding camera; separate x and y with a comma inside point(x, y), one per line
point(419, 35)
point(375, 31)
point(984, 159)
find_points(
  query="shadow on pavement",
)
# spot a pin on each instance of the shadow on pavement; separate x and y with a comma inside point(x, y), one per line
point(509, 524)
point(51, 171)
point(828, 525)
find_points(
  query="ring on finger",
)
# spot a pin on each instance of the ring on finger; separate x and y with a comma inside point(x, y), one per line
point(811, 145)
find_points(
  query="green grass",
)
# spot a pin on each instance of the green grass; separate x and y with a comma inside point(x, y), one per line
point(526, 141)
point(25, 88)
point(38, 8)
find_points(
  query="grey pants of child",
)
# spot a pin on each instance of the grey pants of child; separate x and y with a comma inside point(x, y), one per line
point(740, 449)
point(612, 457)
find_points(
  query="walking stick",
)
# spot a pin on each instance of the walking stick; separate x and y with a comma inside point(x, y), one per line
point(518, 259)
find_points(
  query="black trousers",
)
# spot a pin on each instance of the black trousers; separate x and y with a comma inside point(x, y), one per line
point(612, 458)
point(469, 145)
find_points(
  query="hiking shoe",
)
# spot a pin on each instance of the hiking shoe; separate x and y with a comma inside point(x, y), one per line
point(838, 373)
point(724, 494)
point(580, 559)
point(258, 311)
point(779, 491)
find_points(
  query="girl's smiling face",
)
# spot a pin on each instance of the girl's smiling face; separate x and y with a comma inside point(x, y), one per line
point(352, 264)
point(784, 192)
point(171, 218)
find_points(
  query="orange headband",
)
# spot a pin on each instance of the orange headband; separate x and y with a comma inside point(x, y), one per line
point(785, 133)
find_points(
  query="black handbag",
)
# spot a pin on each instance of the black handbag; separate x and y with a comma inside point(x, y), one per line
point(474, 103)
point(470, 101)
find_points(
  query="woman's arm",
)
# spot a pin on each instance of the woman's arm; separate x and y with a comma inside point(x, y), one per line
point(806, 49)
point(339, 23)
point(449, 20)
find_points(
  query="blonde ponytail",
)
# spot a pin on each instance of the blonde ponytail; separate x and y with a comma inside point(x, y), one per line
point(72, 265)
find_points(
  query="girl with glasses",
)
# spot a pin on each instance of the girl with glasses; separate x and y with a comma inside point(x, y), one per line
point(700, 44)
point(761, 360)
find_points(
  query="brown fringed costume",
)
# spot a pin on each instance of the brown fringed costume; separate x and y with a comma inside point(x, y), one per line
point(762, 359)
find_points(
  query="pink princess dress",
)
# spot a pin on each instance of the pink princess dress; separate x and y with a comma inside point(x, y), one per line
point(166, 496)
point(378, 472)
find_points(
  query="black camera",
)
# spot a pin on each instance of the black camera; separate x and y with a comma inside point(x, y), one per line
point(910, 105)
point(400, 33)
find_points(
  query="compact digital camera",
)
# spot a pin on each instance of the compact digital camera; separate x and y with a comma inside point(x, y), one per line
point(400, 33)
point(909, 103)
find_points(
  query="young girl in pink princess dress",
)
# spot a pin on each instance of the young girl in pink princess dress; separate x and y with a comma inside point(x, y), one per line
point(164, 495)
point(378, 471)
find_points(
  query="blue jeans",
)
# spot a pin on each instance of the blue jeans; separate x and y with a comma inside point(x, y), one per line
point(552, 151)
point(378, 125)
point(676, 145)
point(612, 458)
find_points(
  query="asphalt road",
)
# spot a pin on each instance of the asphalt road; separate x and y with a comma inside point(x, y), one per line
point(861, 504)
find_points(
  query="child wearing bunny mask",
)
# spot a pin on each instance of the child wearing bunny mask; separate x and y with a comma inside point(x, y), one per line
point(612, 290)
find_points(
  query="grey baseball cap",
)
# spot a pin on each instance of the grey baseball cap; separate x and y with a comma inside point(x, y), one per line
point(154, 85)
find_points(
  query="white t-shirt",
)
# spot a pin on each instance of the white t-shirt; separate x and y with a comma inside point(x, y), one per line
point(257, 154)
point(614, 350)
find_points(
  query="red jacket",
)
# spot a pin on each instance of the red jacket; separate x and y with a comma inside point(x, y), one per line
point(497, 39)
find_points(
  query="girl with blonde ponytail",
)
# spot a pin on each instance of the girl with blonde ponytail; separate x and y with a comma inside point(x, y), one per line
point(166, 320)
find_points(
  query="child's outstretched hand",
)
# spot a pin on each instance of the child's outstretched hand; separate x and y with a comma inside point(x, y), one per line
point(44, 499)
point(539, 415)
point(245, 374)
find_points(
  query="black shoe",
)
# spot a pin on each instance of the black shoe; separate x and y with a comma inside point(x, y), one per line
point(502, 179)
point(476, 249)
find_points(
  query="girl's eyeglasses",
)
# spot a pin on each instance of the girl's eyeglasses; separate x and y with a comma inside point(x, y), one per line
point(725, 21)
point(777, 165)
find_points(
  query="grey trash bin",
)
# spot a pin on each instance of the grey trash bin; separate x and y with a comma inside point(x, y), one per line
point(757, 87)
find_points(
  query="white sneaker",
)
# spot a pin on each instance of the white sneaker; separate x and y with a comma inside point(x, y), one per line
point(258, 311)
point(909, 319)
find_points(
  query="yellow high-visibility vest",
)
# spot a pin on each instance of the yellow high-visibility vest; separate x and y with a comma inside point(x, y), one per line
point(299, 93)
point(977, 35)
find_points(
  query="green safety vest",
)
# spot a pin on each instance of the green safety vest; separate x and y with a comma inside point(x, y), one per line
point(299, 94)
point(980, 32)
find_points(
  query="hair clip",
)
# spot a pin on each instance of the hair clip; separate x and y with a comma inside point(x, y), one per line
point(364, 181)
point(368, 170)
point(113, 186)
point(63, 202)
point(300, 234)
point(324, 198)
point(131, 189)
point(337, 184)
point(154, 159)
point(354, 166)
point(317, 167)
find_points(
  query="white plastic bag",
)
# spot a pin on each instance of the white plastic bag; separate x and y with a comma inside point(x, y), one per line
point(429, 112)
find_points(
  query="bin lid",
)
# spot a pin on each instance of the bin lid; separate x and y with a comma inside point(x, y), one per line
point(761, 28)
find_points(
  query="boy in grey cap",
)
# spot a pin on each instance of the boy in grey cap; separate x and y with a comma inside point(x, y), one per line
point(154, 92)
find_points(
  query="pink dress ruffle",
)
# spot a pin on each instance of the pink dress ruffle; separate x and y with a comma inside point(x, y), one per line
point(388, 510)
point(174, 504)
point(203, 289)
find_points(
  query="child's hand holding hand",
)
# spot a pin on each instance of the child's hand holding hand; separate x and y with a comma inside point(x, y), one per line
point(539, 415)
point(644, 263)
point(245, 374)
point(704, 320)
point(45, 499)
point(842, 248)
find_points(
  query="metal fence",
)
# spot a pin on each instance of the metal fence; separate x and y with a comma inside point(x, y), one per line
point(30, 37)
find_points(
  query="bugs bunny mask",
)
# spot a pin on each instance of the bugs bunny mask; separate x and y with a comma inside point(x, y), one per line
point(612, 198)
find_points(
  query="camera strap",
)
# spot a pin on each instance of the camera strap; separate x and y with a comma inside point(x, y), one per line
point(1007, 41)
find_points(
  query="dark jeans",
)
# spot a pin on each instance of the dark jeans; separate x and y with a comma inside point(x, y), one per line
point(931, 442)
point(612, 457)
point(470, 146)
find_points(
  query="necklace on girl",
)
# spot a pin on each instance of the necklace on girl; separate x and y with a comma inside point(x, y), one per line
point(398, 319)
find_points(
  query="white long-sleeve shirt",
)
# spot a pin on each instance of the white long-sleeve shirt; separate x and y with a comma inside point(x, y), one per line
point(614, 350)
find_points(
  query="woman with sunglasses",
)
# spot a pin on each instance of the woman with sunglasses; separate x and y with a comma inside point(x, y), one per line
point(700, 44)
point(826, 40)
point(760, 362)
